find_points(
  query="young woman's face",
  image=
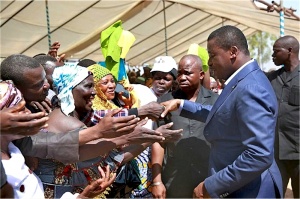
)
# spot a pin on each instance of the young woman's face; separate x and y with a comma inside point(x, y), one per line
point(83, 94)
point(107, 85)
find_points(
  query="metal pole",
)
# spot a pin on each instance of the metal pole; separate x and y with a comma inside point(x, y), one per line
point(165, 23)
point(281, 17)
point(48, 23)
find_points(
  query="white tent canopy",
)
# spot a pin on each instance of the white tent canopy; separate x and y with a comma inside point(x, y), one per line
point(77, 25)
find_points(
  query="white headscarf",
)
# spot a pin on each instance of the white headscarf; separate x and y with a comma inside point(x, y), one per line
point(65, 78)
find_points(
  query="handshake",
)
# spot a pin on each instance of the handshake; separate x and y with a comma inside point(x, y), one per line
point(132, 128)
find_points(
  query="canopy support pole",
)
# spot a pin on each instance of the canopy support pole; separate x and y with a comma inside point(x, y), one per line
point(48, 23)
point(165, 24)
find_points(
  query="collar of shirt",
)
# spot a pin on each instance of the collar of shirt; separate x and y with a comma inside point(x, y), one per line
point(237, 71)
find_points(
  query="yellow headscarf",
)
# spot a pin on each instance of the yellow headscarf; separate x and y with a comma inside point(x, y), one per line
point(100, 102)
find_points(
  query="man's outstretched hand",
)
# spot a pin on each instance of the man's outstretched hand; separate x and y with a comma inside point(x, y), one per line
point(112, 127)
point(171, 105)
point(15, 120)
point(169, 134)
point(151, 110)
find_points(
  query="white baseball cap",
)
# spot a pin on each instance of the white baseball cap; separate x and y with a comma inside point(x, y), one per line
point(165, 64)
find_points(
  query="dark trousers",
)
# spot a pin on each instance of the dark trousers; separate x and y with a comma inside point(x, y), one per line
point(289, 169)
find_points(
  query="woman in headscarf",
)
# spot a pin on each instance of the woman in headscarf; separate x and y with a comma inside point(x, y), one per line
point(75, 90)
point(24, 182)
point(105, 87)
point(74, 86)
point(106, 98)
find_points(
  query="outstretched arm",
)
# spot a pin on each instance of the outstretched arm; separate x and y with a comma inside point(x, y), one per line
point(157, 155)
point(188, 109)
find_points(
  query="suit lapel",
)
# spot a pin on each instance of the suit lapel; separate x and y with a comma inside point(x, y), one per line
point(231, 86)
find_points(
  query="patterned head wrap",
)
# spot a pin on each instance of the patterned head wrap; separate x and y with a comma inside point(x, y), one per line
point(100, 102)
point(98, 71)
point(65, 78)
point(9, 94)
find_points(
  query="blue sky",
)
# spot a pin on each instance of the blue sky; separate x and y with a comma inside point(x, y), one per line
point(295, 4)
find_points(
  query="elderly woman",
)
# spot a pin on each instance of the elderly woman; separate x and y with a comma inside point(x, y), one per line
point(24, 182)
point(75, 89)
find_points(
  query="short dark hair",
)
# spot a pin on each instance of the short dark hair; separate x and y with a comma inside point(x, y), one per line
point(42, 59)
point(39, 54)
point(12, 67)
point(228, 36)
point(86, 63)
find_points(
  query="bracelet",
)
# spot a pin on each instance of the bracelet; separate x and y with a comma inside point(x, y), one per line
point(156, 184)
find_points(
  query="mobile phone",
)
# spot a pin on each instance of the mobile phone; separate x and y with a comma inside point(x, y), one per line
point(120, 88)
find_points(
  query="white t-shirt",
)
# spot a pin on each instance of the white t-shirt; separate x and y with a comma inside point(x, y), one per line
point(24, 182)
point(145, 96)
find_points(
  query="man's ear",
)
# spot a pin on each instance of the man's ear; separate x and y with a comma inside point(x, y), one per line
point(234, 52)
point(290, 50)
point(201, 74)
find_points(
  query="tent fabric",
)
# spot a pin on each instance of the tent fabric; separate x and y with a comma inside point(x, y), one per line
point(77, 25)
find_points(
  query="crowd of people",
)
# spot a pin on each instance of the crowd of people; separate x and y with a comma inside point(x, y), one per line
point(73, 131)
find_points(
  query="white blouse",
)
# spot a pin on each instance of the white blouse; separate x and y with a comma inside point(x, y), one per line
point(24, 182)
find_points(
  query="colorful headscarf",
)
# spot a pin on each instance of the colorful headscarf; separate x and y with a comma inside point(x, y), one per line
point(98, 71)
point(9, 94)
point(100, 102)
point(65, 78)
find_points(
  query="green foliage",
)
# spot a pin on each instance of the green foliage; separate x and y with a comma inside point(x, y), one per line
point(260, 46)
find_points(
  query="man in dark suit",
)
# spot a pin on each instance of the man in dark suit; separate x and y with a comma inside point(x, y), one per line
point(240, 125)
point(186, 160)
point(285, 82)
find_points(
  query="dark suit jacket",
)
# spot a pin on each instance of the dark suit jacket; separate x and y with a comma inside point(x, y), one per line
point(241, 129)
point(186, 161)
point(286, 87)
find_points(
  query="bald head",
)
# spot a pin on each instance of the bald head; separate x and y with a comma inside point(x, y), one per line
point(289, 42)
point(286, 52)
point(193, 60)
point(190, 74)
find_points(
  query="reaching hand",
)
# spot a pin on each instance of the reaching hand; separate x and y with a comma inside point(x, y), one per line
point(168, 134)
point(159, 191)
point(15, 120)
point(142, 134)
point(169, 106)
point(152, 110)
point(111, 127)
point(200, 191)
point(99, 186)
point(53, 51)
point(127, 101)
point(44, 106)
